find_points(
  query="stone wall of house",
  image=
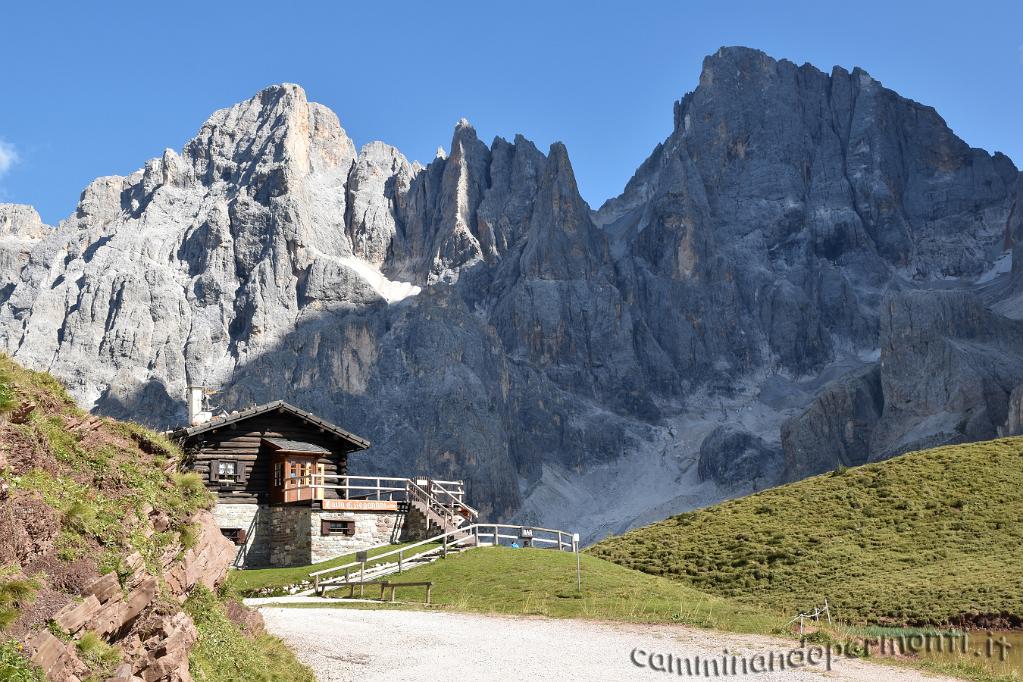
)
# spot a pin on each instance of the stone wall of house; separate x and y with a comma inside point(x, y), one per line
point(290, 541)
point(255, 520)
point(291, 536)
point(371, 529)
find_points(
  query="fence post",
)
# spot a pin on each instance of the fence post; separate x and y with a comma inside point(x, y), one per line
point(400, 552)
point(362, 580)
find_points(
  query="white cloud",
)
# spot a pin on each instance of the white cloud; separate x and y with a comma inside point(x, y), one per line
point(8, 157)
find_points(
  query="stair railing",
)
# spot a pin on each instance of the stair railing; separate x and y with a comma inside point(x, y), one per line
point(562, 540)
point(447, 514)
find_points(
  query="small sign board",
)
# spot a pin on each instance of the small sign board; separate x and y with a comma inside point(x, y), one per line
point(359, 505)
point(362, 556)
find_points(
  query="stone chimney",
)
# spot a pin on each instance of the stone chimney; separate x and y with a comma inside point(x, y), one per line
point(197, 410)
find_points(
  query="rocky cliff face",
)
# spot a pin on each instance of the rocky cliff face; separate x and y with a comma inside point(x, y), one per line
point(475, 318)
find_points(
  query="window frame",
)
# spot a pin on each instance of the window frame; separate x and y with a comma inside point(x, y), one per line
point(229, 478)
point(238, 536)
point(328, 527)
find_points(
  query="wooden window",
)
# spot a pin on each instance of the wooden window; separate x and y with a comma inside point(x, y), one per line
point(227, 471)
point(318, 480)
point(337, 527)
point(235, 535)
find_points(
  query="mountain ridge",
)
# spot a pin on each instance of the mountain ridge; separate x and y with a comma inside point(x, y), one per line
point(507, 332)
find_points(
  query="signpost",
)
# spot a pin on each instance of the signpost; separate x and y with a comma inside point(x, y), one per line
point(578, 568)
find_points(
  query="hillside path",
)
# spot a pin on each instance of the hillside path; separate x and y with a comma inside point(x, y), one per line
point(351, 644)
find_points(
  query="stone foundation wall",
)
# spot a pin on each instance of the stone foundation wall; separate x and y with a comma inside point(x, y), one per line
point(290, 544)
point(290, 536)
point(371, 529)
point(255, 520)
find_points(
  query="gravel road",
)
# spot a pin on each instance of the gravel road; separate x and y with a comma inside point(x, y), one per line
point(349, 644)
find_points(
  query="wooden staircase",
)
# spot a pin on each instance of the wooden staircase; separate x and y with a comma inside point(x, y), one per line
point(435, 511)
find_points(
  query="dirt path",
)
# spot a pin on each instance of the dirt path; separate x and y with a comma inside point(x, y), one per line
point(349, 644)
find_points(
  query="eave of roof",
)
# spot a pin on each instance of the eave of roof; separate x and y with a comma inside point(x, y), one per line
point(359, 442)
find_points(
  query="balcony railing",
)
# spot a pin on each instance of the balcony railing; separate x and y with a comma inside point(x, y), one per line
point(444, 497)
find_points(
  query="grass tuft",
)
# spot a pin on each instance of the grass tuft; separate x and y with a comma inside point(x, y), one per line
point(101, 658)
point(15, 592)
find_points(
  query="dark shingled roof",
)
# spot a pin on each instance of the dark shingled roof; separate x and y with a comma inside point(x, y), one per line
point(286, 445)
point(358, 442)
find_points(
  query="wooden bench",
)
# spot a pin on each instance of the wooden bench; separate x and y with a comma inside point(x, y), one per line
point(385, 585)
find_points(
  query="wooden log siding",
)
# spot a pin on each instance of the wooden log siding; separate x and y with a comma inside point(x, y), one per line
point(242, 442)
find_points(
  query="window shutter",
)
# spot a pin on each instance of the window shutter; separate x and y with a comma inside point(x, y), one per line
point(243, 535)
point(324, 527)
point(350, 528)
point(242, 472)
point(214, 470)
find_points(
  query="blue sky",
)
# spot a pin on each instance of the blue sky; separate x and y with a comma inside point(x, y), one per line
point(91, 89)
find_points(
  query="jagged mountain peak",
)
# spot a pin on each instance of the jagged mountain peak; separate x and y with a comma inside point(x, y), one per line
point(511, 335)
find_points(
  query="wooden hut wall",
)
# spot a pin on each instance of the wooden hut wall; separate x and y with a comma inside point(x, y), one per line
point(242, 442)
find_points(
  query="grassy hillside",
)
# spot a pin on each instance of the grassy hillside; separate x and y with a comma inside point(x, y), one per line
point(931, 537)
point(77, 498)
point(542, 582)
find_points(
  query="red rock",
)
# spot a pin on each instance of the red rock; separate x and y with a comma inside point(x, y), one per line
point(105, 587)
point(122, 674)
point(249, 620)
point(72, 617)
point(49, 651)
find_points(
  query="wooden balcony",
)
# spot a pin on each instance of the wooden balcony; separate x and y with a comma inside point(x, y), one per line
point(296, 479)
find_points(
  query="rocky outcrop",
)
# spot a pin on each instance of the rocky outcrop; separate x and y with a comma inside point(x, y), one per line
point(377, 187)
point(948, 373)
point(836, 429)
point(153, 639)
point(1014, 422)
point(21, 230)
point(733, 457)
point(949, 366)
point(474, 318)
